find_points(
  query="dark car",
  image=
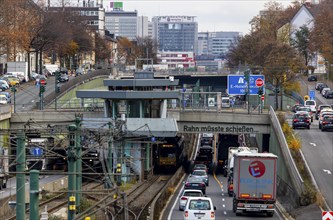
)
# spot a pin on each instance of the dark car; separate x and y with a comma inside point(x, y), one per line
point(321, 87)
point(327, 122)
point(312, 78)
point(3, 86)
point(329, 94)
point(296, 107)
point(195, 183)
point(63, 78)
point(301, 120)
point(318, 84)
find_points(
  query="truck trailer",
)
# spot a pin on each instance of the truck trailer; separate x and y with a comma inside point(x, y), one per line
point(254, 182)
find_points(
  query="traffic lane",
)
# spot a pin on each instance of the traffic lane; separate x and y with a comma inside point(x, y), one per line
point(319, 98)
point(218, 193)
point(226, 205)
point(317, 147)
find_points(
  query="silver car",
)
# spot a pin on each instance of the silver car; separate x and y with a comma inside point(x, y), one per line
point(202, 174)
point(186, 194)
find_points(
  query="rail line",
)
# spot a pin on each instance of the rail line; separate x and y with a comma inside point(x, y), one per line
point(60, 200)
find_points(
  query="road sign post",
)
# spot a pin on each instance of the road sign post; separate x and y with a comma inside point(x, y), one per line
point(312, 95)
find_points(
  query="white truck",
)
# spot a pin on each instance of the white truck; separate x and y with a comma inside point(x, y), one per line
point(3, 167)
point(20, 67)
point(231, 152)
point(254, 182)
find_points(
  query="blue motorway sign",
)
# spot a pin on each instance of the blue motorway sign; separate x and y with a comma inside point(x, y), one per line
point(312, 94)
point(237, 84)
point(36, 151)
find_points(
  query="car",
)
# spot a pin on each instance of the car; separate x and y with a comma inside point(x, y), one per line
point(13, 81)
point(195, 183)
point(312, 104)
point(306, 109)
point(63, 78)
point(3, 100)
point(301, 119)
point(322, 114)
point(34, 75)
point(323, 87)
point(312, 78)
point(8, 96)
point(3, 86)
point(225, 102)
point(318, 84)
point(201, 174)
point(295, 107)
point(321, 107)
point(327, 122)
point(329, 94)
point(324, 90)
point(185, 196)
point(199, 208)
point(200, 166)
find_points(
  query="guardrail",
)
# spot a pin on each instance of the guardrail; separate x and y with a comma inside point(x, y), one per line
point(291, 166)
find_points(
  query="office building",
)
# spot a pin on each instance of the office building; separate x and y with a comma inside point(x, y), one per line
point(216, 43)
point(122, 23)
point(176, 33)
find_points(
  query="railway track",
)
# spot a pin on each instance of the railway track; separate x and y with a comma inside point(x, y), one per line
point(139, 199)
point(55, 203)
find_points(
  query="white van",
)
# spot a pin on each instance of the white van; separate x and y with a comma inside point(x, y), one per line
point(50, 69)
point(225, 102)
point(312, 104)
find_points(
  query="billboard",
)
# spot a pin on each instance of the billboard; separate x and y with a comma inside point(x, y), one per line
point(118, 5)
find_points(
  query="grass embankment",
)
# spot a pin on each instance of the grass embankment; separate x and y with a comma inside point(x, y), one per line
point(310, 194)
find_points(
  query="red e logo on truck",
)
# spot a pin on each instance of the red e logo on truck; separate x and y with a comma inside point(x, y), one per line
point(257, 169)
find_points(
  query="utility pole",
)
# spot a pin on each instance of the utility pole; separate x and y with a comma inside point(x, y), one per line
point(247, 80)
point(34, 192)
point(71, 172)
point(79, 159)
point(13, 89)
point(110, 156)
point(20, 176)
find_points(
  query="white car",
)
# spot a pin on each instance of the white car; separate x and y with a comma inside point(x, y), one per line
point(199, 208)
point(322, 114)
point(185, 196)
point(324, 91)
point(312, 104)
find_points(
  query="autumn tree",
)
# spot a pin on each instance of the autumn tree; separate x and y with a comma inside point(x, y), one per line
point(281, 66)
point(124, 50)
point(145, 49)
point(321, 37)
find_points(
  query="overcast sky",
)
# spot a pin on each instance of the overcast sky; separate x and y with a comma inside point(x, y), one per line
point(213, 15)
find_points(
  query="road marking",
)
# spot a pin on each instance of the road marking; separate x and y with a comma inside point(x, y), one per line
point(327, 171)
point(223, 199)
point(217, 181)
point(223, 205)
point(222, 194)
point(2, 191)
point(225, 212)
point(313, 144)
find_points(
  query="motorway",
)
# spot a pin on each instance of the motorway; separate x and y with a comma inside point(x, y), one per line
point(317, 147)
point(219, 194)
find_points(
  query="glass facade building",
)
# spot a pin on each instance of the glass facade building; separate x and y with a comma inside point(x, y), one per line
point(175, 33)
point(122, 23)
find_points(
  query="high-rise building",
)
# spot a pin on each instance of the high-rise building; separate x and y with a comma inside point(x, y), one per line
point(142, 26)
point(122, 23)
point(216, 43)
point(176, 33)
